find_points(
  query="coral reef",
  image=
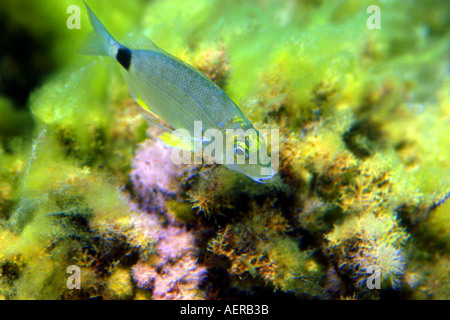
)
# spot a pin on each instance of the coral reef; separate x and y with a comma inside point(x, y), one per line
point(154, 176)
point(261, 253)
point(174, 273)
point(363, 184)
point(369, 241)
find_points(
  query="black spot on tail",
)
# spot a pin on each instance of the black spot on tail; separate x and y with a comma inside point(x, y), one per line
point(124, 57)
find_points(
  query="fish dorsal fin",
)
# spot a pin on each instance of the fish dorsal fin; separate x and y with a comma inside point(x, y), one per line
point(141, 42)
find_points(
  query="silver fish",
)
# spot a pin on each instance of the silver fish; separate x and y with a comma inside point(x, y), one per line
point(176, 92)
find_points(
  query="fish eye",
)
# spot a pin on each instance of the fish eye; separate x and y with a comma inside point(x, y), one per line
point(241, 149)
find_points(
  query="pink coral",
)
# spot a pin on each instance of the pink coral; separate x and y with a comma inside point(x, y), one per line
point(176, 274)
point(153, 174)
point(168, 264)
point(144, 274)
point(175, 243)
point(179, 281)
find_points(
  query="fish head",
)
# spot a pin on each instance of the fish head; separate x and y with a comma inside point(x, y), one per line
point(246, 153)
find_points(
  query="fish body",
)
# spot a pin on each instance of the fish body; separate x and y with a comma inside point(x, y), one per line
point(179, 94)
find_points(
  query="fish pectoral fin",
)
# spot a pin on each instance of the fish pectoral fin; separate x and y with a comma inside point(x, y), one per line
point(176, 141)
point(141, 42)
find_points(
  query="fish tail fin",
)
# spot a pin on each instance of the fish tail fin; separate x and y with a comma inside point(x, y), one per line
point(99, 42)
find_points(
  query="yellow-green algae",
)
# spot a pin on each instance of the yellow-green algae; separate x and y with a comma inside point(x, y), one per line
point(364, 118)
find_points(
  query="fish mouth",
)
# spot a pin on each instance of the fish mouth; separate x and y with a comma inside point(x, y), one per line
point(267, 178)
point(262, 178)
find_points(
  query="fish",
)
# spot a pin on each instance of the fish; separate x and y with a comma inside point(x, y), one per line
point(173, 91)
